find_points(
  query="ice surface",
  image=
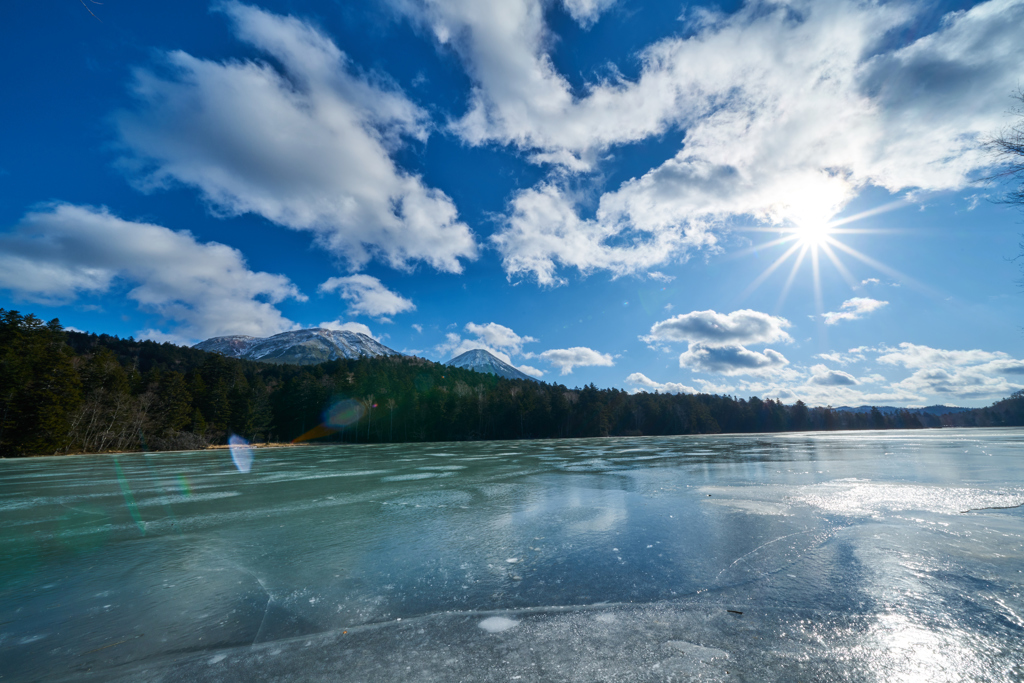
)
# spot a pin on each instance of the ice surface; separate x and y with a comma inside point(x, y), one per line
point(815, 557)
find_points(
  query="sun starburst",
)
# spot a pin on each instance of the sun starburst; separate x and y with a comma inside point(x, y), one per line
point(811, 237)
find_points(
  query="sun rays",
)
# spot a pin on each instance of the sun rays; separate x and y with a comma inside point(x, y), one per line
point(808, 240)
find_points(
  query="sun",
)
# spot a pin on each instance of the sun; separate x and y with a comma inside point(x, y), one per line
point(812, 234)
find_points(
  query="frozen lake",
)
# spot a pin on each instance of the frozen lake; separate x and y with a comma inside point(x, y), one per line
point(871, 556)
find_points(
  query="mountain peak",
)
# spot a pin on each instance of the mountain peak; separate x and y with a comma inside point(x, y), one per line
point(482, 360)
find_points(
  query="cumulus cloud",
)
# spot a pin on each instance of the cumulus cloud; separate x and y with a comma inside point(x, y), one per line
point(823, 376)
point(567, 359)
point(789, 111)
point(966, 374)
point(853, 309)
point(717, 341)
point(307, 146)
point(454, 345)
point(59, 253)
point(917, 356)
point(367, 295)
point(499, 336)
point(936, 376)
point(645, 383)
point(543, 232)
point(730, 360)
point(496, 339)
point(952, 377)
point(721, 329)
point(529, 370)
point(349, 327)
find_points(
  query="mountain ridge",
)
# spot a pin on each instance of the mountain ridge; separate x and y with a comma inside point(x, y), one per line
point(298, 347)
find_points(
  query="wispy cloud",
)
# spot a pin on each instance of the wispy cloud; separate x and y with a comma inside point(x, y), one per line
point(308, 147)
point(62, 252)
point(853, 309)
point(789, 111)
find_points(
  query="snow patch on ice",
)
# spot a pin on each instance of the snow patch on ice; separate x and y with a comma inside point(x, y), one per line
point(497, 624)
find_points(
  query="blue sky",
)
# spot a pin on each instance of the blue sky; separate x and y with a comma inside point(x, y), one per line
point(610, 191)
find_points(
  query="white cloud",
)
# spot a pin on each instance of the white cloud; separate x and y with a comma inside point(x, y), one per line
point(721, 329)
point(937, 376)
point(730, 360)
point(454, 345)
point(964, 383)
point(418, 328)
point(496, 339)
point(567, 359)
point(853, 356)
point(853, 309)
point(586, 12)
point(949, 374)
point(645, 383)
point(349, 327)
point(499, 336)
point(869, 281)
point(789, 111)
point(61, 252)
point(367, 296)
point(529, 370)
point(717, 341)
point(544, 232)
point(823, 376)
point(916, 356)
point(307, 147)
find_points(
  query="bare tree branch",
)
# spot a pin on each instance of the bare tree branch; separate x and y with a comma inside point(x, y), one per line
point(90, 11)
point(1007, 150)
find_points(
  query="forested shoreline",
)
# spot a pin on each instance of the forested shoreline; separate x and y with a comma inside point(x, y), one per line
point(65, 392)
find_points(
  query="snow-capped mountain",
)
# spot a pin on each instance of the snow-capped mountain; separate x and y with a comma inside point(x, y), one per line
point(484, 361)
point(298, 347)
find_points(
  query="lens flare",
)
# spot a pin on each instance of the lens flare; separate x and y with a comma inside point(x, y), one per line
point(129, 499)
point(184, 486)
point(241, 453)
point(343, 413)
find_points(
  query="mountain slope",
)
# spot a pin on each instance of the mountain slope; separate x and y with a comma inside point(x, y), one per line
point(484, 361)
point(298, 347)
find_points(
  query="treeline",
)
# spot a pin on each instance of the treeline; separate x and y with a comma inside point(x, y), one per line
point(71, 392)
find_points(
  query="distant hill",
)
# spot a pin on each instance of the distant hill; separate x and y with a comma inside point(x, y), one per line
point(298, 347)
point(484, 361)
point(892, 410)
